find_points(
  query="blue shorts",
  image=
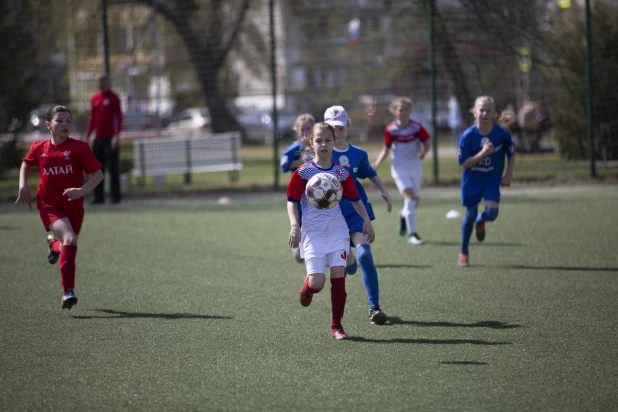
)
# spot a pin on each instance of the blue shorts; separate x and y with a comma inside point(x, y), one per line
point(473, 196)
point(353, 219)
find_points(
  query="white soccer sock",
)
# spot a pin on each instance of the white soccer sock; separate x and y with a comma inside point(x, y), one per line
point(409, 214)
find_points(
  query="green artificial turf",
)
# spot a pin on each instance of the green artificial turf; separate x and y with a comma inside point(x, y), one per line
point(187, 305)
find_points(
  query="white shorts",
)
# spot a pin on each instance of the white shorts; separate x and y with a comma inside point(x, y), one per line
point(316, 262)
point(408, 180)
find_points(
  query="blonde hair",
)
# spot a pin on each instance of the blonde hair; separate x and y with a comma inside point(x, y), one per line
point(399, 101)
point(303, 118)
point(307, 140)
point(482, 100)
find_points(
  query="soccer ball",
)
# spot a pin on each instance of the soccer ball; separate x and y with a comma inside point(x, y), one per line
point(323, 191)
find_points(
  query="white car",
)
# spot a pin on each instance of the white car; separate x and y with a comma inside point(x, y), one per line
point(192, 118)
point(258, 124)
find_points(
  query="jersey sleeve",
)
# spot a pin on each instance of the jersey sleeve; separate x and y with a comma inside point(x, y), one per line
point(291, 154)
point(349, 190)
point(365, 170)
point(32, 158)
point(423, 135)
point(117, 116)
point(296, 187)
point(388, 139)
point(464, 148)
point(87, 161)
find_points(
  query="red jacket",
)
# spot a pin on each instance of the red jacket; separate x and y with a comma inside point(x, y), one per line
point(106, 115)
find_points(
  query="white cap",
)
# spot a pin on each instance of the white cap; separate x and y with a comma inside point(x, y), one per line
point(336, 116)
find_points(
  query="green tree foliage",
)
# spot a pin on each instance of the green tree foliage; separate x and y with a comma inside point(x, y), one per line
point(569, 67)
point(19, 70)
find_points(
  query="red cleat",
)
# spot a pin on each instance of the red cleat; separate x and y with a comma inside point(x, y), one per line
point(338, 333)
point(305, 295)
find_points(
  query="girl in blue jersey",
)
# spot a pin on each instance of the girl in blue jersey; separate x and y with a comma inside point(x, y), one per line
point(482, 150)
point(324, 236)
point(356, 161)
point(291, 158)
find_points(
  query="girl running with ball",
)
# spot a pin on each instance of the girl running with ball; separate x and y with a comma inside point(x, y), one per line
point(324, 237)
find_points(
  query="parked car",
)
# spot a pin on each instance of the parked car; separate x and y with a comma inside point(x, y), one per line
point(258, 124)
point(191, 118)
point(138, 121)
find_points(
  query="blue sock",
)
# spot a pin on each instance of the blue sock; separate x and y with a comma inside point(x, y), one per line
point(350, 270)
point(466, 228)
point(370, 274)
point(489, 215)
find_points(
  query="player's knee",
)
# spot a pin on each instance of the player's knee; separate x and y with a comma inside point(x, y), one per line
point(491, 214)
point(69, 239)
point(472, 211)
point(364, 255)
point(316, 281)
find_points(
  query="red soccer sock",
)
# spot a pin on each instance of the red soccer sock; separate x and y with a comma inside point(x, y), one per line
point(67, 267)
point(338, 297)
point(55, 246)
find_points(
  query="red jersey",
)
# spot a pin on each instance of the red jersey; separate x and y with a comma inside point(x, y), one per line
point(105, 116)
point(61, 167)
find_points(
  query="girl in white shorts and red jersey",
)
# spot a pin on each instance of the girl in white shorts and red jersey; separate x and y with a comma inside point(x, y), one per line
point(324, 238)
point(410, 143)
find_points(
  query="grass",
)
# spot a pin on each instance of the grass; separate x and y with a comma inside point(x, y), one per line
point(190, 305)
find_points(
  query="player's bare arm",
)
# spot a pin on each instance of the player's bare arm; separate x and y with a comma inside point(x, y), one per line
point(507, 179)
point(76, 192)
point(24, 195)
point(294, 238)
point(381, 157)
point(423, 152)
point(380, 185)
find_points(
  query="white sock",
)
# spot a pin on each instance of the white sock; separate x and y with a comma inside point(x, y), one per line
point(409, 214)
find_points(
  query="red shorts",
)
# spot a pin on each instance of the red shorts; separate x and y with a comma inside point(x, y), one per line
point(50, 214)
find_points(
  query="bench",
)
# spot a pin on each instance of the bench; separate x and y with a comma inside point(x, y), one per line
point(195, 154)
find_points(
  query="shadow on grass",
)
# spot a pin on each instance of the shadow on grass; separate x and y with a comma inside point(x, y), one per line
point(403, 266)
point(491, 324)
point(430, 341)
point(117, 314)
point(464, 363)
point(573, 268)
point(446, 243)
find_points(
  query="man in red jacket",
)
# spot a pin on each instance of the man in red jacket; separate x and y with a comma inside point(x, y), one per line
point(106, 121)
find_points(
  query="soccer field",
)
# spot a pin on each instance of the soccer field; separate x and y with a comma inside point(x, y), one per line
point(187, 305)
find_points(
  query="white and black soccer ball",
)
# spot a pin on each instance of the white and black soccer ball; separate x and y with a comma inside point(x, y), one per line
point(324, 191)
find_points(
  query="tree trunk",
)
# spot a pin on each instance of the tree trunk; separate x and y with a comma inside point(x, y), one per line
point(222, 119)
point(453, 68)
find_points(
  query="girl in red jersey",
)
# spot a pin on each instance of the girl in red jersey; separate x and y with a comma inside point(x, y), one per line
point(61, 162)
point(324, 238)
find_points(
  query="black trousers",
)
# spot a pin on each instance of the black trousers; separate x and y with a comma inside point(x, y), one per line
point(109, 158)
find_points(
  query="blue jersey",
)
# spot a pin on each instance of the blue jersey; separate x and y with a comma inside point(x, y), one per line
point(488, 172)
point(290, 155)
point(356, 161)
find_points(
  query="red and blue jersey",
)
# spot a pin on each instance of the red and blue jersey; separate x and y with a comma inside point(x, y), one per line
point(317, 220)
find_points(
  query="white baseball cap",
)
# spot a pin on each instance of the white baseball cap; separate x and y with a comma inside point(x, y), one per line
point(336, 116)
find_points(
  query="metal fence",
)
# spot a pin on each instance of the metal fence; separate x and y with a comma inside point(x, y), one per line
point(206, 66)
